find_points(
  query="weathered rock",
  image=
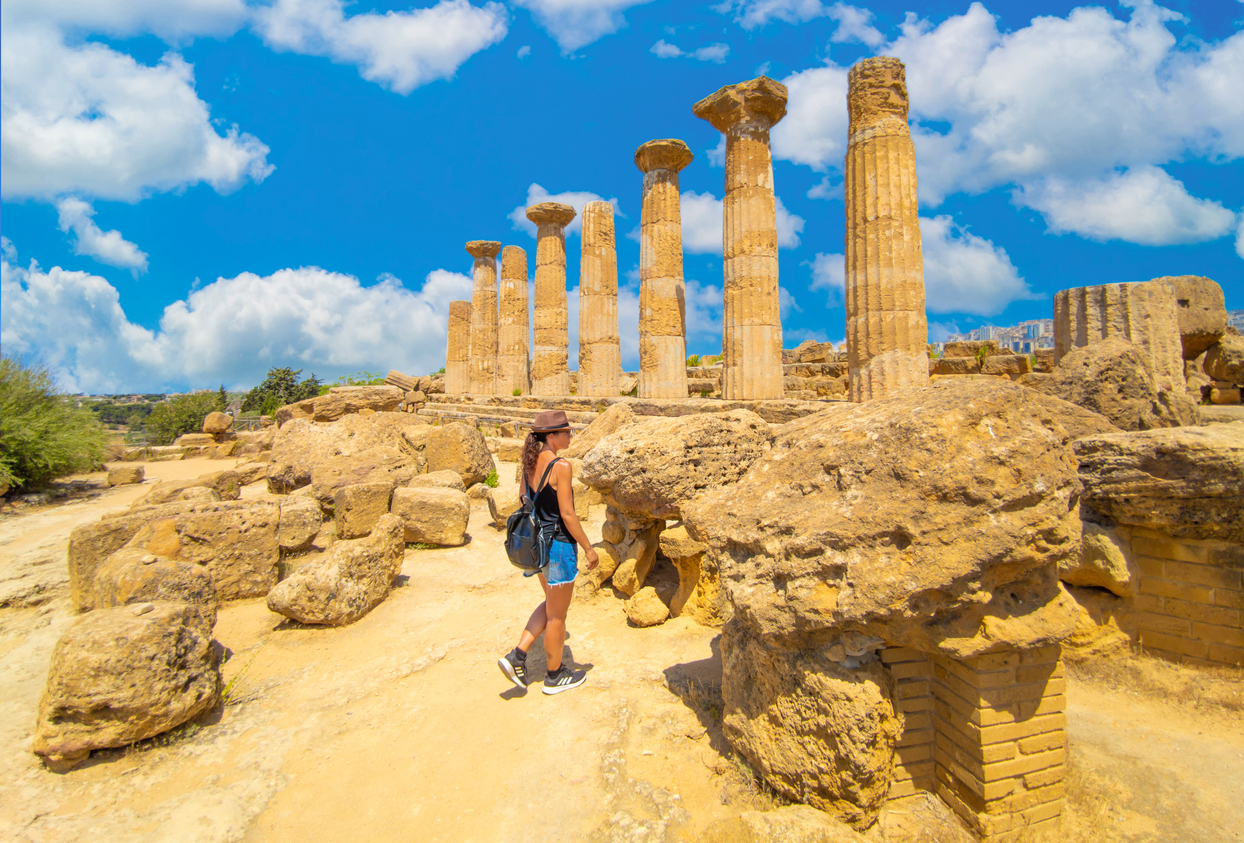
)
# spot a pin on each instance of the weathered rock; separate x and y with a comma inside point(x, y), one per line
point(304, 409)
point(636, 556)
point(506, 449)
point(351, 579)
point(433, 515)
point(302, 444)
point(198, 493)
point(501, 504)
point(300, 522)
point(194, 440)
point(478, 493)
point(217, 423)
point(1104, 628)
point(382, 464)
point(126, 475)
point(1109, 377)
point(226, 484)
point(817, 731)
point(1104, 561)
point(1202, 312)
point(1185, 482)
point(252, 472)
point(792, 824)
point(358, 508)
point(343, 400)
point(587, 583)
point(124, 674)
point(453, 447)
point(609, 422)
point(646, 609)
point(133, 575)
point(936, 520)
point(1224, 362)
point(444, 479)
point(698, 595)
point(650, 470)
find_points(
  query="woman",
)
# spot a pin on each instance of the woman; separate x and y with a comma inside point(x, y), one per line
point(547, 477)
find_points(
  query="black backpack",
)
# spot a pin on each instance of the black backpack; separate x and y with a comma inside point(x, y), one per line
point(527, 537)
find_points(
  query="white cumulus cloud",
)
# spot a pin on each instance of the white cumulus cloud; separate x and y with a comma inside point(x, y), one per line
point(169, 21)
point(1239, 237)
point(107, 247)
point(574, 198)
point(577, 23)
point(399, 50)
point(964, 273)
point(715, 53)
point(854, 23)
point(702, 219)
point(828, 274)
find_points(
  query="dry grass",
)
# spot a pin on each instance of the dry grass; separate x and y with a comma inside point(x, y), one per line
point(1206, 689)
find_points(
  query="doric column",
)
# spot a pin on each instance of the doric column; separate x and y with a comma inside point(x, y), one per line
point(887, 332)
point(752, 326)
point(662, 296)
point(484, 317)
point(550, 371)
point(513, 364)
point(458, 352)
point(600, 355)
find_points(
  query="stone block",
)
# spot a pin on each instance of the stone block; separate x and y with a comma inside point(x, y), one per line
point(126, 475)
point(432, 515)
point(358, 508)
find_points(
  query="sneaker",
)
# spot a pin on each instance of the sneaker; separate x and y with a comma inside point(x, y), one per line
point(563, 680)
point(514, 669)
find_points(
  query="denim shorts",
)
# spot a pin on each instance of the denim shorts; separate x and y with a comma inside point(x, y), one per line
point(563, 564)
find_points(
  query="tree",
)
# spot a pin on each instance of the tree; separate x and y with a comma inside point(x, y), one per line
point(182, 414)
point(280, 387)
point(222, 400)
point(43, 433)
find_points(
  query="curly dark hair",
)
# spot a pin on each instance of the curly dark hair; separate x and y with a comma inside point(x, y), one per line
point(531, 452)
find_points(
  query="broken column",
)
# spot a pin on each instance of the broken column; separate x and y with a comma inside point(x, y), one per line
point(513, 364)
point(887, 332)
point(751, 326)
point(483, 366)
point(458, 352)
point(600, 353)
point(662, 296)
point(550, 371)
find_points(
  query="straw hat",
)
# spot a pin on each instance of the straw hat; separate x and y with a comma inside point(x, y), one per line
point(550, 421)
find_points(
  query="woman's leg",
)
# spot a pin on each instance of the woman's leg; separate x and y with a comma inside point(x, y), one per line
point(556, 604)
point(538, 620)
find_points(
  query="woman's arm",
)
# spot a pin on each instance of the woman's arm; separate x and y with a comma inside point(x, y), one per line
point(565, 503)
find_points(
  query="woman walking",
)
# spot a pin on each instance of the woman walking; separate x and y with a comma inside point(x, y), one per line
point(547, 477)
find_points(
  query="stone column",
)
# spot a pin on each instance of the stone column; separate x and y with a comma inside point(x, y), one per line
point(600, 354)
point(550, 371)
point(513, 364)
point(484, 317)
point(887, 332)
point(751, 340)
point(662, 296)
point(458, 353)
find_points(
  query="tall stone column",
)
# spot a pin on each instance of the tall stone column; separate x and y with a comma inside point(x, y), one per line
point(600, 354)
point(752, 327)
point(550, 371)
point(513, 364)
point(662, 295)
point(458, 352)
point(484, 317)
point(887, 331)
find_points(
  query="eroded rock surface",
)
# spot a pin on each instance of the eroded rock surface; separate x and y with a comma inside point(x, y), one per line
point(225, 485)
point(301, 444)
point(133, 575)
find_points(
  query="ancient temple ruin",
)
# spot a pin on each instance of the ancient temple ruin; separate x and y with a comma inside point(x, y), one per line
point(458, 353)
point(483, 355)
point(550, 371)
point(513, 361)
point(600, 352)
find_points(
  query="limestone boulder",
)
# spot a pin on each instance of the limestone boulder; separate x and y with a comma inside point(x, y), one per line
point(347, 582)
point(382, 464)
point(636, 554)
point(454, 447)
point(433, 514)
point(300, 522)
point(1202, 312)
point(505, 448)
point(1185, 482)
point(358, 508)
point(226, 485)
point(791, 824)
point(126, 475)
point(132, 575)
point(304, 409)
point(649, 471)
point(443, 479)
point(935, 519)
point(124, 674)
point(1105, 627)
point(1105, 561)
point(698, 595)
point(215, 423)
point(1110, 378)
point(616, 417)
point(1224, 361)
point(197, 493)
point(301, 444)
point(194, 440)
point(501, 504)
point(646, 608)
point(344, 400)
point(816, 730)
point(91, 544)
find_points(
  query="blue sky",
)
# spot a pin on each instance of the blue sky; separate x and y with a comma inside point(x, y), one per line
point(195, 192)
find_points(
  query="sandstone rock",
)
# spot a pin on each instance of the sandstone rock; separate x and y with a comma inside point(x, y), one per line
point(1105, 561)
point(792, 824)
point(501, 504)
point(217, 423)
point(478, 493)
point(1012, 365)
point(1202, 312)
point(132, 575)
point(636, 556)
point(1105, 627)
point(118, 676)
point(1109, 377)
point(1045, 360)
point(1227, 395)
point(816, 730)
point(936, 520)
point(347, 582)
point(506, 449)
point(609, 422)
point(89, 546)
point(302, 444)
point(402, 381)
point(976, 349)
point(1224, 362)
point(252, 472)
point(627, 385)
point(198, 493)
point(357, 508)
point(955, 366)
point(455, 447)
point(587, 583)
point(343, 400)
point(650, 470)
point(1185, 482)
point(126, 475)
point(698, 595)
point(444, 479)
point(381, 464)
point(646, 608)
point(304, 409)
point(194, 440)
point(433, 515)
point(299, 523)
point(226, 484)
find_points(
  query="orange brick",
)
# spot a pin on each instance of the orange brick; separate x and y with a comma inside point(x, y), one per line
point(958, 744)
point(914, 754)
point(995, 661)
point(905, 670)
point(1229, 598)
point(1167, 588)
point(1174, 644)
point(1148, 603)
point(911, 690)
point(1213, 634)
point(1029, 799)
point(1044, 812)
point(1217, 615)
point(902, 654)
point(1226, 654)
point(1041, 655)
point(1151, 567)
point(1022, 765)
point(916, 737)
point(1213, 576)
point(1165, 547)
point(1041, 743)
point(1046, 777)
point(1017, 731)
point(910, 787)
point(915, 704)
point(1149, 622)
point(917, 722)
point(918, 771)
point(1039, 673)
point(981, 679)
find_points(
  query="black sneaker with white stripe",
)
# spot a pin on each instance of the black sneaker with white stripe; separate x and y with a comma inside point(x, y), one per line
point(563, 679)
point(514, 668)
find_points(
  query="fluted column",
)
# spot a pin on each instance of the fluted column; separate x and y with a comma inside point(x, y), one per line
point(550, 370)
point(662, 295)
point(600, 355)
point(458, 352)
point(751, 325)
point(513, 363)
point(887, 331)
point(484, 317)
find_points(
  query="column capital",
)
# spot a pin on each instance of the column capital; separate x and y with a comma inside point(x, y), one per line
point(760, 102)
point(665, 154)
point(876, 90)
point(483, 248)
point(550, 213)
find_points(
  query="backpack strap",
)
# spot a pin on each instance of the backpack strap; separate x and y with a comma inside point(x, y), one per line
point(543, 477)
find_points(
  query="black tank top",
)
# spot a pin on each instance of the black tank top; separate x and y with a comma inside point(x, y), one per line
point(549, 512)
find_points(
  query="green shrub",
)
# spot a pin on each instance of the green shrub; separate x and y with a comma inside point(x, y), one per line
point(280, 387)
point(693, 360)
point(182, 414)
point(43, 433)
point(359, 378)
point(492, 480)
point(517, 391)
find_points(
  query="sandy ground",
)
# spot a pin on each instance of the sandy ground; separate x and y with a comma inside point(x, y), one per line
point(401, 727)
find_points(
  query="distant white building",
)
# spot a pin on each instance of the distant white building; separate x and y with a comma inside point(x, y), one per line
point(1235, 318)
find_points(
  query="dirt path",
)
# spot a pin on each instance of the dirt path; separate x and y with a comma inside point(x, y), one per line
point(401, 727)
